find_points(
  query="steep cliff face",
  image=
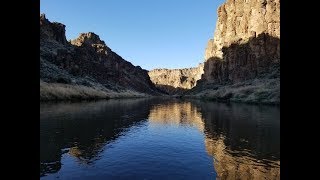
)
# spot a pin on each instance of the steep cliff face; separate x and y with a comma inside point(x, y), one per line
point(245, 47)
point(52, 31)
point(246, 41)
point(86, 62)
point(176, 81)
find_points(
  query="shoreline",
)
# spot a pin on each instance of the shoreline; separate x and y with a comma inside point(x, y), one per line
point(57, 92)
point(91, 98)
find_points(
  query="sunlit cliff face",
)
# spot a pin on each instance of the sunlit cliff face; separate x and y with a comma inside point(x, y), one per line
point(231, 161)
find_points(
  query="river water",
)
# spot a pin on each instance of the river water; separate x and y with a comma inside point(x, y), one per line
point(159, 139)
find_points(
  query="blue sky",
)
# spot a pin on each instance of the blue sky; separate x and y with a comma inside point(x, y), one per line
point(148, 33)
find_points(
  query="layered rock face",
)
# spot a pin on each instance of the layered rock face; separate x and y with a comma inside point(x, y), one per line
point(176, 81)
point(242, 61)
point(246, 41)
point(87, 61)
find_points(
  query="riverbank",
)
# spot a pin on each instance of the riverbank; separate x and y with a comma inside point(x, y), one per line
point(253, 92)
point(258, 91)
point(74, 92)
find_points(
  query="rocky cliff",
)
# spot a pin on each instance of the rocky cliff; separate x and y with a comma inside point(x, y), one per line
point(85, 67)
point(242, 61)
point(176, 81)
point(247, 39)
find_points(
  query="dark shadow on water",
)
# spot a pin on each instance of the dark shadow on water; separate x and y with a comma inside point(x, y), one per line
point(84, 127)
point(251, 127)
point(242, 138)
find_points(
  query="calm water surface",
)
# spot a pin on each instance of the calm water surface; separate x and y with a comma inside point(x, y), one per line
point(159, 139)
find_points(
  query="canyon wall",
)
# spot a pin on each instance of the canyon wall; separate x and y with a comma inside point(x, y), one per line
point(242, 61)
point(85, 67)
point(246, 41)
point(176, 81)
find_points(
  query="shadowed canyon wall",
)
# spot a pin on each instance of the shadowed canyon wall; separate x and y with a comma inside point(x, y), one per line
point(86, 64)
point(246, 41)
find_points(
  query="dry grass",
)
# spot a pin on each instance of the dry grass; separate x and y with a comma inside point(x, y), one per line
point(256, 91)
point(58, 91)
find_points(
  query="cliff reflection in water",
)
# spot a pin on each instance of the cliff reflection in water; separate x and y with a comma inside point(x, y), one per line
point(83, 129)
point(176, 113)
point(243, 140)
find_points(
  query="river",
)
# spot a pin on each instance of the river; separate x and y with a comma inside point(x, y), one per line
point(156, 138)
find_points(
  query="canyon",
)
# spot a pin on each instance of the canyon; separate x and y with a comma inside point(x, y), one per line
point(181, 131)
point(85, 68)
point(241, 62)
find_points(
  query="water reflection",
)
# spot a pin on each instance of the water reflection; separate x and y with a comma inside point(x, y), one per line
point(84, 128)
point(177, 113)
point(244, 139)
point(109, 136)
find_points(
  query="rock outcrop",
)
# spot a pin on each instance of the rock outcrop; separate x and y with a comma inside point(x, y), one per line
point(240, 20)
point(176, 81)
point(52, 31)
point(86, 62)
point(246, 39)
point(245, 50)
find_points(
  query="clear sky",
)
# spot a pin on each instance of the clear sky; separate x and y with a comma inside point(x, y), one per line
point(148, 33)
